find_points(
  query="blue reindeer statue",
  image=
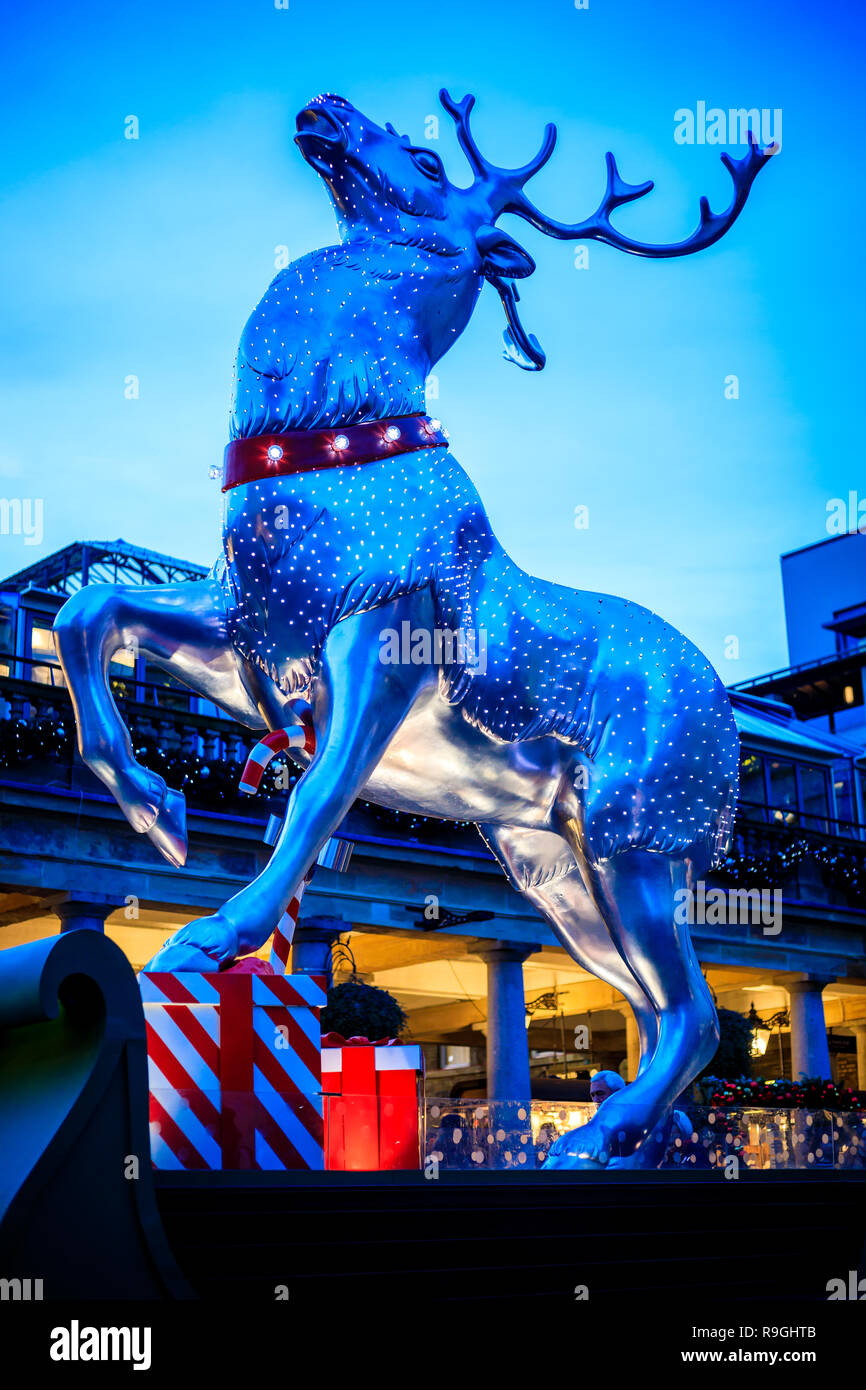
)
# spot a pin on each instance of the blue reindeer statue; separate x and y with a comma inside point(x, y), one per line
point(591, 743)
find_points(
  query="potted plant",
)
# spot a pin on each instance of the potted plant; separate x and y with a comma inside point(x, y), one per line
point(358, 1010)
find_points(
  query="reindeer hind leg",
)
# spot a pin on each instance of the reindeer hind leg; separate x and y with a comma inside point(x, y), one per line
point(542, 866)
point(634, 893)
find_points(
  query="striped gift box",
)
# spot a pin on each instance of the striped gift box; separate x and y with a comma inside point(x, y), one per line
point(234, 1063)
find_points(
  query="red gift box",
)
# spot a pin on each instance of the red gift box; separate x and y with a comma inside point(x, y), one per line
point(234, 1063)
point(372, 1098)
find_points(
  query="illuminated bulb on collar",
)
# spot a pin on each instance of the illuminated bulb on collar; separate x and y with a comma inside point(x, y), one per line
point(274, 452)
point(392, 433)
point(341, 441)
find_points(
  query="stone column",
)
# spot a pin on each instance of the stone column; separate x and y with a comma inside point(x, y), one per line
point(810, 1054)
point(312, 942)
point(88, 913)
point(507, 1045)
point(859, 1031)
point(508, 1084)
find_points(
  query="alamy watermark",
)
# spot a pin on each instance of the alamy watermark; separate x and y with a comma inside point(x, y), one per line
point(437, 646)
point(713, 907)
point(21, 1290)
point(846, 516)
point(22, 516)
point(714, 126)
point(853, 1288)
point(77, 1343)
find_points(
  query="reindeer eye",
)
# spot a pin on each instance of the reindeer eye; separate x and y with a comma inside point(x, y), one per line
point(428, 162)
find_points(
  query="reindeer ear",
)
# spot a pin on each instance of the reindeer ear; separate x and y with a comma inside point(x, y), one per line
point(501, 256)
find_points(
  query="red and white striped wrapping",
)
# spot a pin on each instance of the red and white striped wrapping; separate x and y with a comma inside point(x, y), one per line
point(234, 1063)
point(281, 940)
point(334, 854)
point(302, 735)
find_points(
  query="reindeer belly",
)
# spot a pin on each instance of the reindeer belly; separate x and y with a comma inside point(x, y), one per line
point(640, 704)
point(439, 765)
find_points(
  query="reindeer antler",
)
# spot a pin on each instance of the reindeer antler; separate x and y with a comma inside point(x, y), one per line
point(502, 191)
point(502, 183)
point(504, 188)
point(711, 227)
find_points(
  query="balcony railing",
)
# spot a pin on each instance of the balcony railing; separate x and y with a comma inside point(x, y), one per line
point(45, 671)
point(792, 818)
point(786, 673)
point(809, 864)
point(203, 754)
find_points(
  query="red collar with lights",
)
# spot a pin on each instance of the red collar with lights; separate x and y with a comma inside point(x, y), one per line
point(265, 456)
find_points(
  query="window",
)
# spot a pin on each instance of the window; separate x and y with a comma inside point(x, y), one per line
point(45, 668)
point(454, 1056)
point(797, 794)
point(846, 808)
point(7, 640)
point(121, 673)
point(813, 797)
point(753, 793)
point(783, 792)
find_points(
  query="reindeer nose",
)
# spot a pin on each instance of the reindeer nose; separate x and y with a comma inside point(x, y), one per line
point(323, 111)
point(322, 128)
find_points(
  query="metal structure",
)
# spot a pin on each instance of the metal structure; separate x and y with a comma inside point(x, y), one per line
point(102, 562)
point(593, 745)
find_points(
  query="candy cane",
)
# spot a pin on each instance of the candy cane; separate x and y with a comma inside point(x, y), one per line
point(285, 930)
point(302, 735)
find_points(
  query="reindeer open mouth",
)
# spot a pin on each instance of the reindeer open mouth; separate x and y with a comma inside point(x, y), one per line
point(319, 132)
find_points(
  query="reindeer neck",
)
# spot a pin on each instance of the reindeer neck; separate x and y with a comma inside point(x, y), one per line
point(339, 338)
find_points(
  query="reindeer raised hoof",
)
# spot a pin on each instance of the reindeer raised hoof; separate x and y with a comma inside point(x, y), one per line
point(591, 743)
point(179, 627)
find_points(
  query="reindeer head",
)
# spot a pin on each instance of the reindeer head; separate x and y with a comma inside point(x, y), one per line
point(384, 187)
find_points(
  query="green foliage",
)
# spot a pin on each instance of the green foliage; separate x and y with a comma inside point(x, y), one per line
point(359, 1010)
point(733, 1054)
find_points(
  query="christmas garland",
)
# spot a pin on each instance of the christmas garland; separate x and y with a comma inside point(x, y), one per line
point(212, 783)
point(840, 867)
point(812, 1093)
point(47, 738)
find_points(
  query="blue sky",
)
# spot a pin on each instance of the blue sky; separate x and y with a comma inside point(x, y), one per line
point(145, 257)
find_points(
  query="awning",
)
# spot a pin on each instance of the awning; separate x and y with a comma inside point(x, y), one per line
point(770, 724)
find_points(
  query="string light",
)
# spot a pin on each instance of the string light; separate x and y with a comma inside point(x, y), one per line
point(348, 334)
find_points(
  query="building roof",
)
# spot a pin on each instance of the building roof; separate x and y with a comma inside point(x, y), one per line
point(825, 540)
point(114, 562)
point(818, 686)
point(772, 723)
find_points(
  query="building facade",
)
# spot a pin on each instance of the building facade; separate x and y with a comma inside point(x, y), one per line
point(497, 1004)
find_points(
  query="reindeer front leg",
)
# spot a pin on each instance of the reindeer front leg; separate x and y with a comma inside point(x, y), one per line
point(358, 704)
point(180, 627)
